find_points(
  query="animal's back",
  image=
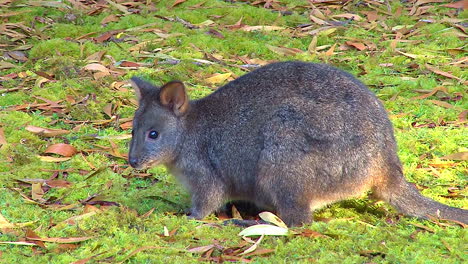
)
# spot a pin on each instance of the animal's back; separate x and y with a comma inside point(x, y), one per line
point(311, 116)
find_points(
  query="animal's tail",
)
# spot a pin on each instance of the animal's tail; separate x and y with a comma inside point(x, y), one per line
point(407, 200)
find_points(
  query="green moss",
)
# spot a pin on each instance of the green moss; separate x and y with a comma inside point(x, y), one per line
point(359, 230)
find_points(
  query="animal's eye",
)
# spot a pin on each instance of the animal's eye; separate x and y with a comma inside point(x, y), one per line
point(153, 134)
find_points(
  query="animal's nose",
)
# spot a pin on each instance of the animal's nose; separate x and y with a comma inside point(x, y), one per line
point(133, 162)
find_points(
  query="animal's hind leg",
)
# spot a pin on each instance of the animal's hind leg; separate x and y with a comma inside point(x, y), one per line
point(288, 192)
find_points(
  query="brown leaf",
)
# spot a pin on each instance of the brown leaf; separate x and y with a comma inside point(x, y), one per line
point(442, 104)
point(445, 74)
point(110, 18)
point(349, 16)
point(318, 20)
point(2, 137)
point(82, 261)
point(237, 25)
point(145, 215)
point(456, 156)
point(371, 15)
point(260, 251)
point(201, 249)
point(330, 51)
point(215, 33)
point(108, 109)
point(462, 117)
point(30, 233)
point(58, 183)
point(61, 149)
point(126, 125)
point(17, 55)
point(96, 67)
point(36, 191)
point(284, 51)
point(357, 45)
point(60, 240)
point(459, 4)
point(97, 56)
point(431, 93)
point(178, 2)
point(311, 233)
point(130, 64)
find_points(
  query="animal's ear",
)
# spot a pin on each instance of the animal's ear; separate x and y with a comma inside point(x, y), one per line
point(141, 87)
point(173, 96)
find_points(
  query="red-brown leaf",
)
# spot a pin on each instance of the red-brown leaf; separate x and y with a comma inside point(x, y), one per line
point(58, 183)
point(178, 2)
point(60, 239)
point(2, 137)
point(357, 45)
point(46, 132)
point(61, 149)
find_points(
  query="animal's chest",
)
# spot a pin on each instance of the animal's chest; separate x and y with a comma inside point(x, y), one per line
point(180, 175)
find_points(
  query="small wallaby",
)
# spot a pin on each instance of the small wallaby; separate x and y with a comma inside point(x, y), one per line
point(289, 136)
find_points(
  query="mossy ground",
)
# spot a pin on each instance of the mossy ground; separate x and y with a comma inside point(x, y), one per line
point(360, 230)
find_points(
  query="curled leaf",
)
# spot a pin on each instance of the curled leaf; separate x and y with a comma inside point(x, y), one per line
point(218, 78)
point(271, 218)
point(61, 149)
point(456, 156)
point(46, 132)
point(267, 230)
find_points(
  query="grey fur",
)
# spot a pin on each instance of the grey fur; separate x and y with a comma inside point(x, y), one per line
point(290, 136)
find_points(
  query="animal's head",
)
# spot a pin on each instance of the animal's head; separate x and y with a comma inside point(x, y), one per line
point(158, 123)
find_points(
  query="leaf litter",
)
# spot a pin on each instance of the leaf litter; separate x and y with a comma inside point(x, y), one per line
point(326, 20)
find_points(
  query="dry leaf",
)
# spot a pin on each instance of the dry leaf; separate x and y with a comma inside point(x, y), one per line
point(456, 156)
point(178, 2)
point(330, 52)
point(46, 132)
point(110, 18)
point(268, 230)
point(36, 191)
point(349, 16)
point(310, 233)
point(129, 64)
point(218, 78)
point(445, 74)
point(442, 103)
point(97, 56)
point(53, 159)
point(201, 249)
point(253, 247)
point(2, 137)
point(462, 117)
point(371, 15)
point(58, 183)
point(284, 51)
point(318, 20)
point(313, 45)
point(5, 224)
point(357, 45)
point(458, 4)
point(63, 240)
point(261, 28)
point(62, 149)
point(431, 93)
point(96, 67)
point(271, 218)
